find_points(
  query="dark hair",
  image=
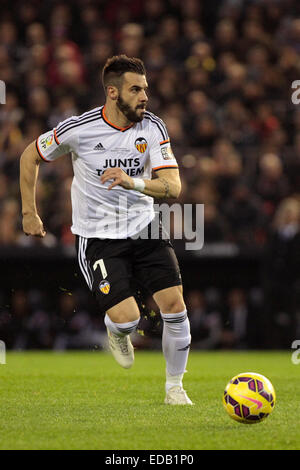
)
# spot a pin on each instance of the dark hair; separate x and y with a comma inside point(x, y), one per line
point(117, 65)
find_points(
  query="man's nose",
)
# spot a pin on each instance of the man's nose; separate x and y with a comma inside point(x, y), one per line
point(144, 96)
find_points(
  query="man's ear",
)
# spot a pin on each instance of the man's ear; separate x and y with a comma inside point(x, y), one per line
point(112, 92)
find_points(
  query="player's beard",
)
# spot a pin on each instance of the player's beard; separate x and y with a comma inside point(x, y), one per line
point(128, 111)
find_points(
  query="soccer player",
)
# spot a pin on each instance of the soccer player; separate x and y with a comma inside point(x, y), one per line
point(114, 149)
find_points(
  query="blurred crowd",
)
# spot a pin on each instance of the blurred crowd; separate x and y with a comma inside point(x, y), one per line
point(220, 319)
point(220, 75)
point(69, 320)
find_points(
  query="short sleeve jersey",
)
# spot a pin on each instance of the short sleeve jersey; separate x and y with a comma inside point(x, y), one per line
point(95, 144)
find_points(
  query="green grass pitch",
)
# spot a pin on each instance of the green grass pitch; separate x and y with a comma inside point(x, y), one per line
point(84, 400)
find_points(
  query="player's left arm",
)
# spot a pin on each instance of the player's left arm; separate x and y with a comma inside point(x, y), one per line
point(166, 185)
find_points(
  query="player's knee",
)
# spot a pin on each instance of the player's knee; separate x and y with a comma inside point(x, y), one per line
point(124, 312)
point(125, 317)
point(121, 328)
point(176, 305)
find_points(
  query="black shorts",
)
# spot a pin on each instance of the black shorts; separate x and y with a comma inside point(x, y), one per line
point(115, 269)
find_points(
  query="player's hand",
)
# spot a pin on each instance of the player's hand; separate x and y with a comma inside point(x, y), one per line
point(32, 225)
point(119, 176)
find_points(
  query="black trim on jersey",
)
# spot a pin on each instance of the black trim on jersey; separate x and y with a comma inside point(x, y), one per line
point(74, 123)
point(170, 167)
point(78, 124)
point(73, 120)
point(158, 119)
point(159, 124)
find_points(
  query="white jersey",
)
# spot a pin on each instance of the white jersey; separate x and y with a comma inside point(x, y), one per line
point(96, 144)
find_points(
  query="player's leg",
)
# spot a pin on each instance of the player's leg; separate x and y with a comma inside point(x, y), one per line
point(158, 269)
point(121, 320)
point(106, 267)
point(176, 340)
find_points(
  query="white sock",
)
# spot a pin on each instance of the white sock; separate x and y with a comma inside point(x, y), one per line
point(176, 341)
point(120, 329)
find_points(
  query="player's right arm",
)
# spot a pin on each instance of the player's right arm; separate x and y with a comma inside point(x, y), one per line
point(29, 169)
point(47, 147)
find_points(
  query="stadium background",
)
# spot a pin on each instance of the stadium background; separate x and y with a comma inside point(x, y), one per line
point(220, 75)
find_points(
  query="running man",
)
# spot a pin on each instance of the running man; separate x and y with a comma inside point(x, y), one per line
point(114, 149)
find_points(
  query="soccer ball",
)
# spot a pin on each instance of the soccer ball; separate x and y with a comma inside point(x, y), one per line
point(249, 397)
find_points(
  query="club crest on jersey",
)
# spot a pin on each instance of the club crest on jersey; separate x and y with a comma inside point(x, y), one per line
point(104, 287)
point(141, 144)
